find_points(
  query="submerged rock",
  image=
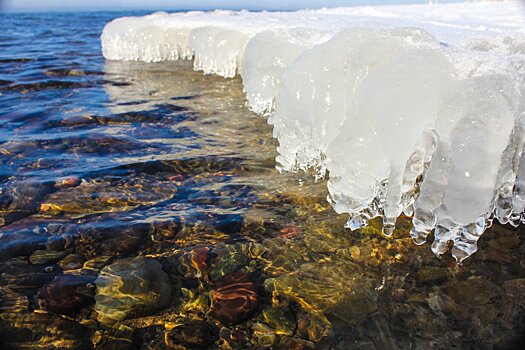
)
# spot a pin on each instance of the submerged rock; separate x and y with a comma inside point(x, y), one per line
point(432, 275)
point(263, 335)
point(66, 293)
point(234, 298)
point(279, 319)
point(337, 288)
point(41, 331)
point(190, 335)
point(45, 256)
point(131, 287)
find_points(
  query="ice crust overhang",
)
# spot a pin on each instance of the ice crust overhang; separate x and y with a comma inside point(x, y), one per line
point(410, 109)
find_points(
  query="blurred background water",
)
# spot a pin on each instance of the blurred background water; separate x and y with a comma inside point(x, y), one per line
point(140, 208)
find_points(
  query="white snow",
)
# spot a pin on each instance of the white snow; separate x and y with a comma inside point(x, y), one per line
point(415, 109)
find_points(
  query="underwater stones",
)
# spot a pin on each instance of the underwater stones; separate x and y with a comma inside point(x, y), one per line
point(41, 331)
point(66, 293)
point(191, 264)
point(432, 275)
point(190, 334)
point(71, 262)
point(263, 335)
point(25, 278)
point(104, 340)
point(311, 327)
point(21, 199)
point(229, 223)
point(45, 256)
point(66, 182)
point(111, 238)
point(12, 302)
point(228, 259)
point(339, 288)
point(234, 298)
point(280, 319)
point(516, 289)
point(131, 287)
point(473, 291)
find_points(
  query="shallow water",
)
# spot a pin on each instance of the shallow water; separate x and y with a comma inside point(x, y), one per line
point(140, 208)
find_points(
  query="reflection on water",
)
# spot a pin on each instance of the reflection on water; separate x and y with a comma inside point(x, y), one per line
point(140, 209)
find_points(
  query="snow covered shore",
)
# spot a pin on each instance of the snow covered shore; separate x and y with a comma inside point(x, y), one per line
point(415, 109)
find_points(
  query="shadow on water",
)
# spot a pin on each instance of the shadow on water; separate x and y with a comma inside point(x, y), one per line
point(140, 208)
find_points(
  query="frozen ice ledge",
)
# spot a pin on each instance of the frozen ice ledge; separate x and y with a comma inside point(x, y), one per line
point(415, 109)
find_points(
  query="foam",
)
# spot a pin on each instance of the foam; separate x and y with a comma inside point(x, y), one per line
point(415, 110)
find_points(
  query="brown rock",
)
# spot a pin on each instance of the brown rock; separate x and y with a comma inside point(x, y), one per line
point(66, 293)
point(431, 275)
point(191, 335)
point(234, 298)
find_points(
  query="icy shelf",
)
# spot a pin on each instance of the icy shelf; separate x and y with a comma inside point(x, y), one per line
point(414, 109)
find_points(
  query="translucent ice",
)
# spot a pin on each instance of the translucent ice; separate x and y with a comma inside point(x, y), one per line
point(406, 109)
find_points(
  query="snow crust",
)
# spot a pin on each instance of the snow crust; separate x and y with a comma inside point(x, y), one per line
point(414, 109)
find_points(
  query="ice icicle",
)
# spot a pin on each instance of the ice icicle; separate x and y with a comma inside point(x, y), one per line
point(400, 121)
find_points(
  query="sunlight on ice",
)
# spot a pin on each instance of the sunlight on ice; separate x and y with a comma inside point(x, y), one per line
point(405, 112)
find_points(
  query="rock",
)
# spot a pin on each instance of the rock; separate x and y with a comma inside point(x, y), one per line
point(103, 340)
point(263, 335)
point(234, 298)
point(279, 319)
point(473, 291)
point(41, 331)
point(66, 294)
point(516, 289)
point(311, 327)
point(71, 262)
point(229, 258)
point(11, 302)
point(25, 278)
point(131, 287)
point(431, 275)
point(45, 256)
point(190, 263)
point(191, 335)
point(336, 287)
point(293, 343)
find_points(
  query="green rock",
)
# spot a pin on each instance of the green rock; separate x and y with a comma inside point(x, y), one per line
point(131, 287)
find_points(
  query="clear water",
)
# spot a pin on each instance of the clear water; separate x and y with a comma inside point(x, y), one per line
point(105, 165)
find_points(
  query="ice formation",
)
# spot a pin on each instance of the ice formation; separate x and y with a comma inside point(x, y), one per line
point(408, 109)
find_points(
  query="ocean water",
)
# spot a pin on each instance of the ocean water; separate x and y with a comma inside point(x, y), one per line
point(140, 208)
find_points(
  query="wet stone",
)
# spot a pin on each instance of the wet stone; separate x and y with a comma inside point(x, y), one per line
point(103, 340)
point(45, 256)
point(228, 259)
point(432, 275)
point(131, 287)
point(338, 288)
point(26, 278)
point(12, 302)
point(46, 331)
point(263, 335)
point(279, 319)
point(66, 294)
point(190, 335)
point(516, 289)
point(234, 298)
point(473, 291)
point(71, 262)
